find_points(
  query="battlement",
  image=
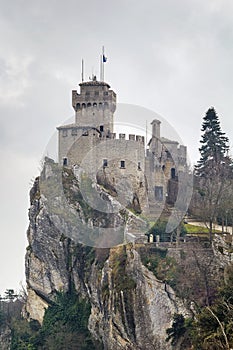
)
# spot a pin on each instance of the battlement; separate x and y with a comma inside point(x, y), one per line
point(132, 137)
point(73, 130)
point(95, 94)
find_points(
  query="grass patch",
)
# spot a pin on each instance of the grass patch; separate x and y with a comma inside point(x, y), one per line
point(198, 229)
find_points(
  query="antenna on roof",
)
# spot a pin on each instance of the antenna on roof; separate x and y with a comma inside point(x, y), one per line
point(82, 70)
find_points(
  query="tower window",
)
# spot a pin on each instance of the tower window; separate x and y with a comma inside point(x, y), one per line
point(78, 106)
point(94, 104)
point(105, 163)
point(122, 164)
point(101, 128)
point(89, 104)
point(64, 132)
point(139, 166)
point(83, 105)
point(65, 161)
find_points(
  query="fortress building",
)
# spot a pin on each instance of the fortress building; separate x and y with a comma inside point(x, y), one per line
point(142, 179)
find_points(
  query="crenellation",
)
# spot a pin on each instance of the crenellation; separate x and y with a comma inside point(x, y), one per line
point(132, 137)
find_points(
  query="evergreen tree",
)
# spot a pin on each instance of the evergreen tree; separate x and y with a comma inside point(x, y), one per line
point(214, 172)
point(214, 147)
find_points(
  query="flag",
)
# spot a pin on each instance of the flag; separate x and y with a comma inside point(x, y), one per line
point(104, 59)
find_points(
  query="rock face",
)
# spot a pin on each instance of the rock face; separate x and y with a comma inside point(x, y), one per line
point(131, 308)
point(133, 313)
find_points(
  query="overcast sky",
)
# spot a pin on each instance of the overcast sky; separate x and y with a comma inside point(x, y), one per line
point(174, 57)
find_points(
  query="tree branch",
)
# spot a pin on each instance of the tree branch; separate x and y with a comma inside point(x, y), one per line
point(221, 326)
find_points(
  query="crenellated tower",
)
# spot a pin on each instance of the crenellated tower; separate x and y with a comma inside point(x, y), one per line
point(94, 106)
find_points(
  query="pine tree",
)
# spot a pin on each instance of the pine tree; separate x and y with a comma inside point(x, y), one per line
point(214, 171)
point(214, 147)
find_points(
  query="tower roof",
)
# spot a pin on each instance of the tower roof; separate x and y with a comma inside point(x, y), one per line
point(94, 83)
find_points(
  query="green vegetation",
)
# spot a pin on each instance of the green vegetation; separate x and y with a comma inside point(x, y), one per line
point(214, 147)
point(198, 229)
point(123, 287)
point(179, 329)
point(25, 335)
point(213, 195)
point(162, 266)
point(64, 327)
point(122, 280)
point(2, 318)
point(159, 228)
point(212, 326)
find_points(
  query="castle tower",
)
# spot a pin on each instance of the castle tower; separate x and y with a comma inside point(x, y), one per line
point(94, 106)
point(155, 146)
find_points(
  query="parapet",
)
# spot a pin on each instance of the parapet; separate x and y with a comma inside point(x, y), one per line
point(121, 136)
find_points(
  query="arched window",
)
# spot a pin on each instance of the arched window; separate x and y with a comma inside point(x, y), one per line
point(83, 105)
point(89, 104)
point(94, 104)
point(77, 106)
point(65, 161)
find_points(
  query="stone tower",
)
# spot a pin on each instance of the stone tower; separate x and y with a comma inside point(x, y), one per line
point(94, 106)
point(155, 145)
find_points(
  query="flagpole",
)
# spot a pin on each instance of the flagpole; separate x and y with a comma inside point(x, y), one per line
point(103, 63)
point(101, 59)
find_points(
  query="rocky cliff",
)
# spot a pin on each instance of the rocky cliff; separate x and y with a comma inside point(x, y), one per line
point(131, 308)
